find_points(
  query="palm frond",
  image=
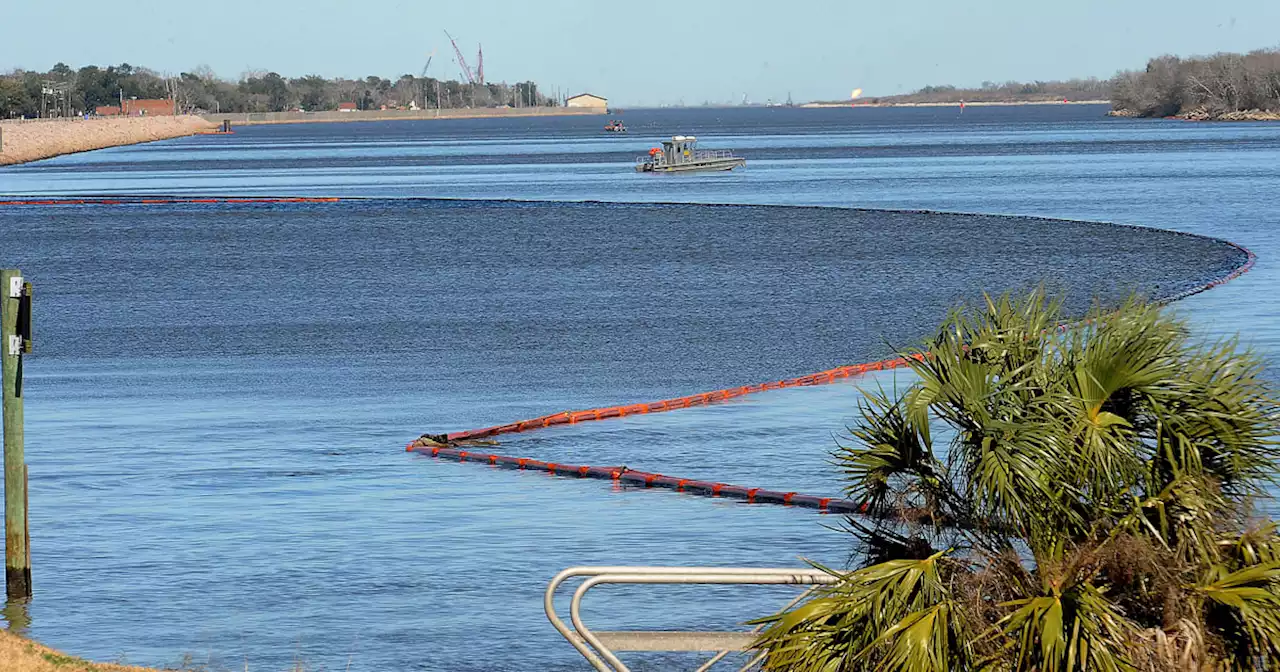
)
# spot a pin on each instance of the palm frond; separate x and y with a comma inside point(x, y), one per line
point(879, 613)
point(1244, 610)
point(892, 467)
point(1069, 630)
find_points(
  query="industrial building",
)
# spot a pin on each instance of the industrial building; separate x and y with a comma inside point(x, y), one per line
point(587, 100)
point(133, 107)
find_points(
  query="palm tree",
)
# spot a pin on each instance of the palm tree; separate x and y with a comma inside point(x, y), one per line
point(1055, 498)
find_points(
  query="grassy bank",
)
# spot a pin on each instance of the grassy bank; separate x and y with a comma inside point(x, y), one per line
point(23, 655)
point(34, 140)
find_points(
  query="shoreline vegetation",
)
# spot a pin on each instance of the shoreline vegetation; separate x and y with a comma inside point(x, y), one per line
point(19, 654)
point(1219, 87)
point(63, 91)
point(1079, 91)
point(956, 103)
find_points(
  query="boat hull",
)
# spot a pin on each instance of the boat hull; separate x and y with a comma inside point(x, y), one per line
point(694, 166)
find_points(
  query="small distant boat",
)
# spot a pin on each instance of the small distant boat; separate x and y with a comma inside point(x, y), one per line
point(681, 154)
point(615, 126)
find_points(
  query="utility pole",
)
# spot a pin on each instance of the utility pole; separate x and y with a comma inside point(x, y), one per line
point(15, 340)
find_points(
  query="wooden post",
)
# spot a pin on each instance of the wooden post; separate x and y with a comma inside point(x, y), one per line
point(17, 561)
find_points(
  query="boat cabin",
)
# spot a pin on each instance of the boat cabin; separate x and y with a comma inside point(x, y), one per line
point(679, 149)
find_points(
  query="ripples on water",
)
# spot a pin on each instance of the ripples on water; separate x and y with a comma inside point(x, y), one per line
point(220, 394)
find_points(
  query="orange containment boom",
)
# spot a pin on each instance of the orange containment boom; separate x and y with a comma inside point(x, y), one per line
point(623, 475)
point(703, 399)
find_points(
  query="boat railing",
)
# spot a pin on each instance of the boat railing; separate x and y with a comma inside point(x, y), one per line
point(695, 155)
point(701, 154)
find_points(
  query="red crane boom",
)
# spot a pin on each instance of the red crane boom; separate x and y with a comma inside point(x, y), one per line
point(466, 69)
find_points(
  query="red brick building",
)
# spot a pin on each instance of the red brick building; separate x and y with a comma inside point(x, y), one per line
point(145, 107)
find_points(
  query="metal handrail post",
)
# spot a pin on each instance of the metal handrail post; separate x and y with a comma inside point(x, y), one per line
point(548, 605)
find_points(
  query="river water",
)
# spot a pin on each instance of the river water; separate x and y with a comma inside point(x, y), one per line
point(220, 394)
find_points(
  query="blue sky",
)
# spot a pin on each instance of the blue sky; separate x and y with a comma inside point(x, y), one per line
point(651, 52)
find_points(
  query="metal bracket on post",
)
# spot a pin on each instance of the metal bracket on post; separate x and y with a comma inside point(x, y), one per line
point(24, 318)
point(15, 287)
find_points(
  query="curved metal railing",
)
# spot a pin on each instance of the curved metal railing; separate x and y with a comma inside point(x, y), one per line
point(599, 647)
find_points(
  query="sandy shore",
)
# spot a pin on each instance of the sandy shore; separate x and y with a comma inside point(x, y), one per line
point(35, 140)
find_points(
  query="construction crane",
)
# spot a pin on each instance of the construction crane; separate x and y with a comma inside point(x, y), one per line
point(476, 77)
point(422, 81)
point(462, 61)
point(428, 65)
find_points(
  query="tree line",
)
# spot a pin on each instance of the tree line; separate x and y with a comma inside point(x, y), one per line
point(63, 90)
point(1010, 91)
point(1214, 85)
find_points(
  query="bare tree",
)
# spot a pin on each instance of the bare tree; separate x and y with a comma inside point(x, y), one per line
point(1214, 85)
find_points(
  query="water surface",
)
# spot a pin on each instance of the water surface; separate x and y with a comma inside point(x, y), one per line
point(220, 395)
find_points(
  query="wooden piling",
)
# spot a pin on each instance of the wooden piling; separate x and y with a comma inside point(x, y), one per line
point(17, 558)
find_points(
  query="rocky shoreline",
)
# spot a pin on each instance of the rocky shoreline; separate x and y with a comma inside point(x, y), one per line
point(1203, 114)
point(956, 103)
point(21, 142)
